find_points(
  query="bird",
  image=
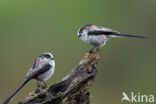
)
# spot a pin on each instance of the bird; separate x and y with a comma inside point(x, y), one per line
point(41, 70)
point(98, 36)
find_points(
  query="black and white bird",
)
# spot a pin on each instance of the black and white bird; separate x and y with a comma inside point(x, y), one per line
point(98, 36)
point(42, 69)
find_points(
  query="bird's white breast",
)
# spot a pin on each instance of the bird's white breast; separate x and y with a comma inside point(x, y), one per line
point(96, 40)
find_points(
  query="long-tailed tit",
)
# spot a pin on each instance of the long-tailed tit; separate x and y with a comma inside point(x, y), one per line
point(98, 36)
point(42, 69)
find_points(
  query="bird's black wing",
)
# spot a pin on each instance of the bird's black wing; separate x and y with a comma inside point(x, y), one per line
point(37, 72)
point(102, 32)
point(113, 34)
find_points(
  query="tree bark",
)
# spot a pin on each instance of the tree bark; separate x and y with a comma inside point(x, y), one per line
point(74, 88)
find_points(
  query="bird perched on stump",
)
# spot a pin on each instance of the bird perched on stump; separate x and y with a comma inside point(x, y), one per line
point(42, 69)
point(98, 36)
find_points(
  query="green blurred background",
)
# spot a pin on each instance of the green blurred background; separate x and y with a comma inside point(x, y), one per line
point(29, 28)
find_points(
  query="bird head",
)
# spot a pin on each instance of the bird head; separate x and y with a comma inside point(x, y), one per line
point(47, 55)
point(83, 31)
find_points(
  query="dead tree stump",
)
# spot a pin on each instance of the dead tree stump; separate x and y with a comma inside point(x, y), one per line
point(74, 88)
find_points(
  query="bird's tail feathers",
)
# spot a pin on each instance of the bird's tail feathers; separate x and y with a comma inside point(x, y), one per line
point(14, 94)
point(124, 35)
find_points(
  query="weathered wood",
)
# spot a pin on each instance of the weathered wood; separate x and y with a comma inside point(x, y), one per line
point(74, 88)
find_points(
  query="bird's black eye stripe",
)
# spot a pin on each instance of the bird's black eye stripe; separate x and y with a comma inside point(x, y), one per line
point(46, 55)
point(81, 30)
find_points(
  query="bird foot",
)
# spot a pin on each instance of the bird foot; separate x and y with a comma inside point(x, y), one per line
point(93, 49)
point(40, 88)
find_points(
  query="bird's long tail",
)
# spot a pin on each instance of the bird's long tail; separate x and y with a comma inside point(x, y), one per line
point(124, 35)
point(14, 94)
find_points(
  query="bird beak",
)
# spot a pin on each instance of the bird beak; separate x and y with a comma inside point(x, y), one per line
point(79, 36)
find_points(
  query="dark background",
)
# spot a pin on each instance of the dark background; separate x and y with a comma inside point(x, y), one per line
point(29, 28)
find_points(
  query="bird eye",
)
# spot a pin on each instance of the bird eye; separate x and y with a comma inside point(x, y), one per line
point(81, 31)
